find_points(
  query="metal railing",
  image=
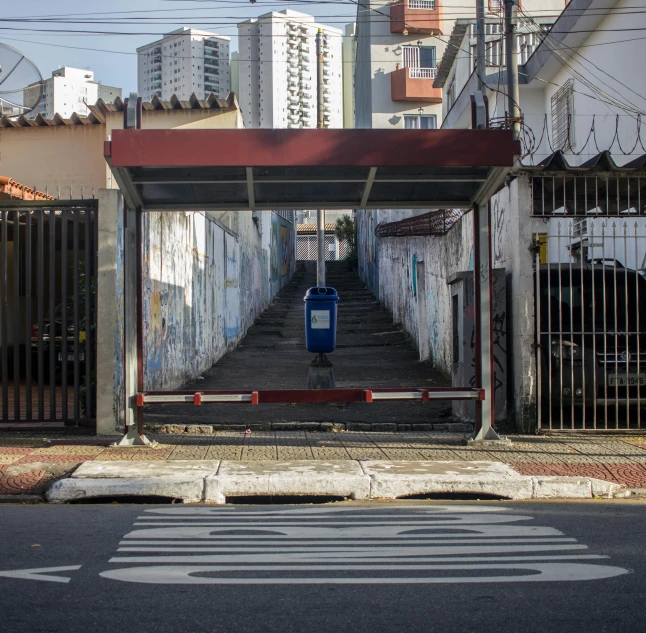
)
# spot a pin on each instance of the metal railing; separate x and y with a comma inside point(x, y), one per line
point(429, 5)
point(48, 310)
point(591, 324)
point(422, 73)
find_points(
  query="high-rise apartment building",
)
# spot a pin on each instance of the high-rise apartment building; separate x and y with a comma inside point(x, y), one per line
point(277, 71)
point(69, 91)
point(184, 62)
point(399, 45)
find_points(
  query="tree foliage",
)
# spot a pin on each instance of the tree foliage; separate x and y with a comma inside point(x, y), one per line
point(345, 230)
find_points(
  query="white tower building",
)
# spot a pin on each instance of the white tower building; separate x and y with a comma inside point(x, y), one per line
point(277, 76)
point(184, 62)
point(69, 91)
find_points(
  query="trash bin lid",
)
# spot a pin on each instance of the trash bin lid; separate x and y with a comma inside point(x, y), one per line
point(321, 293)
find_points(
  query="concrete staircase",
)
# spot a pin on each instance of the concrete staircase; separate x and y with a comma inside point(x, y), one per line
point(371, 352)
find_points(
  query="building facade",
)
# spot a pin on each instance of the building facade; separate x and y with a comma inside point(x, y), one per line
point(184, 62)
point(277, 71)
point(205, 278)
point(573, 208)
point(70, 91)
point(398, 47)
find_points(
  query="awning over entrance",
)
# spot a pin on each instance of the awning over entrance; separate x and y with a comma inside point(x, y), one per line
point(180, 170)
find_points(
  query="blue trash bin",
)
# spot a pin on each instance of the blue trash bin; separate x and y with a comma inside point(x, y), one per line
point(320, 319)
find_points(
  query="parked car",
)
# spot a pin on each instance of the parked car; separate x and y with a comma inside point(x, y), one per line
point(52, 342)
point(592, 337)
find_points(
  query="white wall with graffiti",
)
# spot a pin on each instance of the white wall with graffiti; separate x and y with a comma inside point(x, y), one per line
point(204, 285)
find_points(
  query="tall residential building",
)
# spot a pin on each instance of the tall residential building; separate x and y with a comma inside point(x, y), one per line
point(398, 47)
point(184, 62)
point(69, 91)
point(277, 76)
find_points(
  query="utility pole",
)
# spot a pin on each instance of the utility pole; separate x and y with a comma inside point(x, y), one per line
point(511, 46)
point(480, 45)
point(320, 213)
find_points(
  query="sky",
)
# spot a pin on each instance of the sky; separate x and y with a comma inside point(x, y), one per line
point(137, 22)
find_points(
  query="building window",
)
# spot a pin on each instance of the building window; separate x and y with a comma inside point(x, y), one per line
point(419, 56)
point(450, 95)
point(420, 122)
point(563, 117)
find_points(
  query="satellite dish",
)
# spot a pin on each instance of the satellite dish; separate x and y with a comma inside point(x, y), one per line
point(21, 84)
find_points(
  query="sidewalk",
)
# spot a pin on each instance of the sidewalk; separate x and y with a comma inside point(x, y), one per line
point(30, 463)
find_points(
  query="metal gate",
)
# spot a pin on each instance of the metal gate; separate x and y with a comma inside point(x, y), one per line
point(590, 293)
point(335, 249)
point(48, 263)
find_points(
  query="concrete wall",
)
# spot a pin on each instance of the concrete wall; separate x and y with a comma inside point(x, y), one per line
point(203, 286)
point(389, 266)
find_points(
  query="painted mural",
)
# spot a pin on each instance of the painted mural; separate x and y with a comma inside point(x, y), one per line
point(274, 249)
point(286, 249)
point(203, 287)
point(367, 248)
point(119, 364)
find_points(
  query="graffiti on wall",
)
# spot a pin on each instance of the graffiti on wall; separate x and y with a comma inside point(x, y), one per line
point(286, 249)
point(203, 287)
point(119, 364)
point(499, 337)
point(498, 222)
point(367, 248)
point(275, 250)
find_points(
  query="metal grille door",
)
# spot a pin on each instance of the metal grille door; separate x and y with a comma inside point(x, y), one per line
point(48, 311)
point(306, 248)
point(590, 307)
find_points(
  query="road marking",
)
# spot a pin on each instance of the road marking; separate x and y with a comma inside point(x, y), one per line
point(38, 574)
point(183, 575)
point(327, 545)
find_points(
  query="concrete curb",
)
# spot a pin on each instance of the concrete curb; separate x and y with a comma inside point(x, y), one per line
point(215, 481)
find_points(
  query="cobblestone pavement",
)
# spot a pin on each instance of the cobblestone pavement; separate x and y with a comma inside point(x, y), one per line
point(28, 463)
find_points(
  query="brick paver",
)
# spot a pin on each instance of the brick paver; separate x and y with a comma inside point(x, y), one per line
point(619, 459)
point(21, 484)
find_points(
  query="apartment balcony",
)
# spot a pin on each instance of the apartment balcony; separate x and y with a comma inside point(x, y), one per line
point(211, 44)
point(416, 17)
point(414, 84)
point(157, 51)
point(157, 60)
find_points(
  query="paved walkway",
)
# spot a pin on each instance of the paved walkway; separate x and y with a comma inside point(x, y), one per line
point(371, 352)
point(29, 463)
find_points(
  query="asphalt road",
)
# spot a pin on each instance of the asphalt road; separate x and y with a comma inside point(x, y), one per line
point(499, 566)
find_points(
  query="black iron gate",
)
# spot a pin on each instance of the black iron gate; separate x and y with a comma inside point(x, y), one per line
point(48, 264)
point(590, 289)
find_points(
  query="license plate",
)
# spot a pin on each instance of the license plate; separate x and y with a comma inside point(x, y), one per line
point(626, 380)
point(70, 356)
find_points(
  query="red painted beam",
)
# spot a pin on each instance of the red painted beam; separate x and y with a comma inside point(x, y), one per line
point(304, 396)
point(312, 148)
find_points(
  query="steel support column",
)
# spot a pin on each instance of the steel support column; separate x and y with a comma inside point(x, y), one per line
point(483, 301)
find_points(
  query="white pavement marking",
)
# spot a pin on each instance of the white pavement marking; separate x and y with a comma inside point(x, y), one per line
point(440, 544)
point(38, 574)
point(182, 575)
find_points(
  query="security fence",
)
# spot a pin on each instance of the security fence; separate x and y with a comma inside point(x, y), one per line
point(590, 307)
point(335, 249)
point(48, 269)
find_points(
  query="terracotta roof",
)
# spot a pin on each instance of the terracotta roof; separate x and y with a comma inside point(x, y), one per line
point(99, 110)
point(10, 189)
point(304, 229)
